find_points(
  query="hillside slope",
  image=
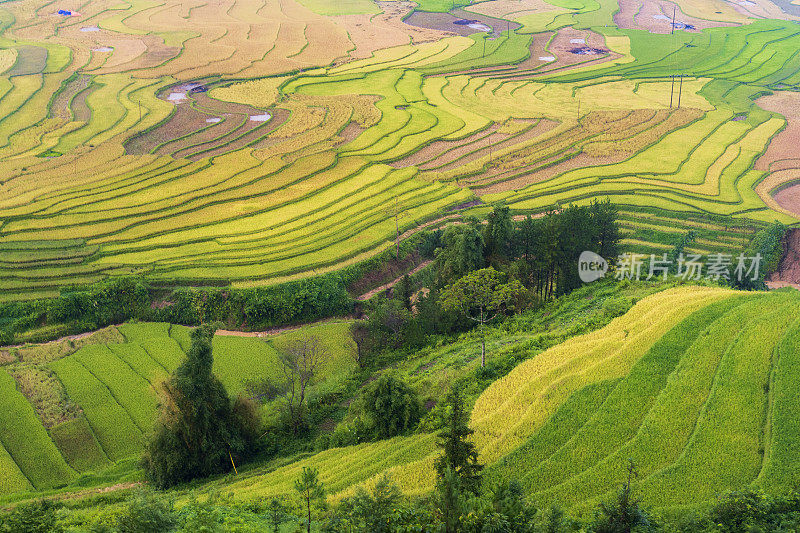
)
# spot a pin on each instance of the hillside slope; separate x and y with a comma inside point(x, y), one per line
point(693, 385)
point(115, 387)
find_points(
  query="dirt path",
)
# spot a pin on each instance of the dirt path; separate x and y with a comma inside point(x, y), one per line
point(382, 288)
point(788, 273)
point(280, 329)
point(76, 337)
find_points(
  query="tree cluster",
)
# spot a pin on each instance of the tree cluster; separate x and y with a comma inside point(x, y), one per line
point(200, 430)
point(480, 271)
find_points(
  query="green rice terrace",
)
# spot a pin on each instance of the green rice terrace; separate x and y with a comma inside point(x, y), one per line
point(312, 265)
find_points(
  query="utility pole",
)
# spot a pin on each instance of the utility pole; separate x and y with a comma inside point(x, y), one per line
point(680, 89)
point(671, 91)
point(397, 225)
point(484, 45)
point(674, 12)
point(140, 109)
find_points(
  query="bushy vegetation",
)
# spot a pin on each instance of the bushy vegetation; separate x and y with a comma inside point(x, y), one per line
point(200, 429)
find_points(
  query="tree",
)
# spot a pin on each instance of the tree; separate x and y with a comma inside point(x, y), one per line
point(311, 490)
point(498, 234)
point(458, 454)
point(362, 337)
point(482, 295)
point(367, 512)
point(33, 517)
point(624, 514)
point(461, 252)
point(403, 291)
point(277, 514)
point(199, 430)
point(603, 215)
point(300, 362)
point(147, 512)
point(392, 405)
point(449, 500)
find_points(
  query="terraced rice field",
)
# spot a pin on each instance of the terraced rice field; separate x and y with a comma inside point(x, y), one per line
point(116, 387)
point(692, 383)
point(249, 143)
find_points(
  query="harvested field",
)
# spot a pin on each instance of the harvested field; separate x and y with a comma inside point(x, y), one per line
point(30, 60)
point(655, 16)
point(370, 33)
point(454, 157)
point(509, 9)
point(767, 9)
point(781, 159)
point(446, 22)
point(788, 196)
point(783, 150)
point(204, 127)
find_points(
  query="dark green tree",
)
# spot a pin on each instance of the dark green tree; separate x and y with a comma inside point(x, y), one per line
point(198, 433)
point(449, 500)
point(461, 252)
point(623, 514)
point(311, 491)
point(367, 512)
point(603, 215)
point(458, 453)
point(498, 235)
point(403, 291)
point(392, 406)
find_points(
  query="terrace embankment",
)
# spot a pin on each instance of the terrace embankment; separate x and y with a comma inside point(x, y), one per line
point(788, 273)
point(781, 188)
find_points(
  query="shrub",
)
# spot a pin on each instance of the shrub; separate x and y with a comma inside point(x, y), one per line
point(392, 406)
point(36, 517)
point(146, 513)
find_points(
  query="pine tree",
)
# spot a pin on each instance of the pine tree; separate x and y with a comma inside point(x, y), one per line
point(459, 453)
point(311, 490)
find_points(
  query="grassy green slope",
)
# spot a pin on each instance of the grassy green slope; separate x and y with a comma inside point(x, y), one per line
point(117, 384)
point(678, 385)
point(696, 414)
point(27, 441)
